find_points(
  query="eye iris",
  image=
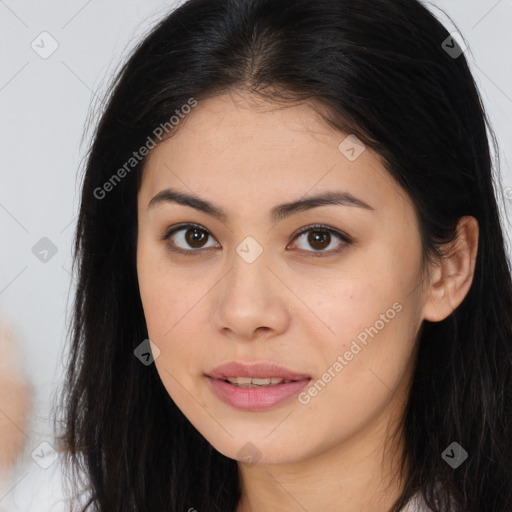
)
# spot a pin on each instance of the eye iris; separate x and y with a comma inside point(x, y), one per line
point(196, 236)
point(317, 239)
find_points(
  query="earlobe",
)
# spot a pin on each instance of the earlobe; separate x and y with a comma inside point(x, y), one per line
point(451, 280)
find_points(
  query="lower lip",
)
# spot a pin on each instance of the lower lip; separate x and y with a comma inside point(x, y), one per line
point(256, 399)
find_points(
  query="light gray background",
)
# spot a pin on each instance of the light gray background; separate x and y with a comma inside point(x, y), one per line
point(44, 104)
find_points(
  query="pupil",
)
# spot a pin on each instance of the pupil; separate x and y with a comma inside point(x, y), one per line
point(317, 239)
point(195, 236)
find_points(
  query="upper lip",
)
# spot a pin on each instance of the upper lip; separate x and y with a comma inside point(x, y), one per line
point(258, 370)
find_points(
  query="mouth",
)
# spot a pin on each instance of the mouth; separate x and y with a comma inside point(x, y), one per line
point(255, 387)
point(262, 374)
point(254, 382)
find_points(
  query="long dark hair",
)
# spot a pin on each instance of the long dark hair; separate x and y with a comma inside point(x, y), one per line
point(384, 72)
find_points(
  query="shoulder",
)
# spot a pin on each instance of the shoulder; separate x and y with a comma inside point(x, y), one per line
point(416, 504)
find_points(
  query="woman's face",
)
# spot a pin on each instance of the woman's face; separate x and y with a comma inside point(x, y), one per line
point(338, 312)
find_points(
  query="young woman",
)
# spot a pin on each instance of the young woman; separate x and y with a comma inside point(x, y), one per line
point(293, 292)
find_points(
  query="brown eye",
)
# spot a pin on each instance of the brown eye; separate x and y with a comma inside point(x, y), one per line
point(319, 240)
point(186, 237)
point(196, 237)
point(322, 240)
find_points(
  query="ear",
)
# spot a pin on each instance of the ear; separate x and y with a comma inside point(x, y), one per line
point(451, 279)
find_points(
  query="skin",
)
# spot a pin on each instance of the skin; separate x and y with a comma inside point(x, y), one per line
point(15, 402)
point(289, 306)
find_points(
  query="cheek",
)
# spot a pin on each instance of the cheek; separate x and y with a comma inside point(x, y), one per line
point(168, 309)
point(173, 314)
point(166, 297)
point(372, 315)
point(362, 367)
point(350, 305)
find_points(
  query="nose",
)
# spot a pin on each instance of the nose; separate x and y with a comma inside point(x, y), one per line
point(251, 301)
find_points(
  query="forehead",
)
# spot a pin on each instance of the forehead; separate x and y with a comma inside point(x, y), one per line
point(236, 146)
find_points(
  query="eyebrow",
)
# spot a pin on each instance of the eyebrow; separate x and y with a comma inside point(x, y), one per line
point(277, 213)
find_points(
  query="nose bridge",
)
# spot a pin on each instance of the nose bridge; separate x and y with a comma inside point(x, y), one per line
point(248, 299)
point(249, 273)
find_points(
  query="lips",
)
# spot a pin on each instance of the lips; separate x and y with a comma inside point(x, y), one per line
point(257, 386)
point(255, 370)
point(253, 382)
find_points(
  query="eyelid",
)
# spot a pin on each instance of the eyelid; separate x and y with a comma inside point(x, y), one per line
point(322, 227)
point(346, 239)
point(184, 226)
point(179, 227)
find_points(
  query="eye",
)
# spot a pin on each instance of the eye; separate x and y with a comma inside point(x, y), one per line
point(186, 236)
point(320, 238)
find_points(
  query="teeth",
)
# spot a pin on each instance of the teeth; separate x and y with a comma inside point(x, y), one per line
point(253, 382)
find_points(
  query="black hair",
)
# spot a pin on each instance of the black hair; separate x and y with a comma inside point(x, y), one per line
point(381, 70)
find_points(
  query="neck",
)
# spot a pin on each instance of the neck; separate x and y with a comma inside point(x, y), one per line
point(362, 473)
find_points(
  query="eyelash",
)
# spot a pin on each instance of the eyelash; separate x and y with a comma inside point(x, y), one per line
point(347, 241)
